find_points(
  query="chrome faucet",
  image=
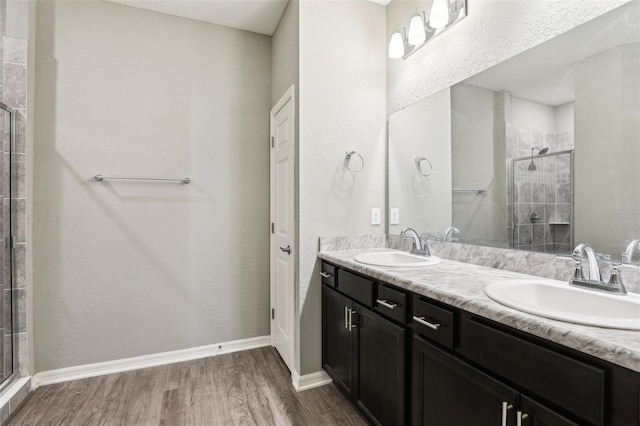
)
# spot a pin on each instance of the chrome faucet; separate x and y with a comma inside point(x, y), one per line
point(627, 255)
point(450, 234)
point(594, 282)
point(578, 254)
point(420, 247)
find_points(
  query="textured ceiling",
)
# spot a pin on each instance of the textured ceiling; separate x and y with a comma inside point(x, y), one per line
point(258, 16)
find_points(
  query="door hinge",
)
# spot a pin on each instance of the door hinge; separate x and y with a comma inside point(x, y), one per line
point(273, 228)
point(272, 142)
point(273, 313)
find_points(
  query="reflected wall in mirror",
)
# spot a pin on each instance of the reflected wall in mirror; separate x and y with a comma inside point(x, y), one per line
point(539, 152)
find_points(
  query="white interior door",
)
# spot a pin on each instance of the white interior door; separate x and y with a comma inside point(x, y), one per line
point(283, 227)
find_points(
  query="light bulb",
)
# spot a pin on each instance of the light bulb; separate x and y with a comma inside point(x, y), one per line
point(417, 35)
point(439, 16)
point(396, 45)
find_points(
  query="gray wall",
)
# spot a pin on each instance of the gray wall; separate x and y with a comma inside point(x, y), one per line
point(607, 117)
point(126, 269)
point(342, 108)
point(285, 46)
point(478, 163)
point(423, 129)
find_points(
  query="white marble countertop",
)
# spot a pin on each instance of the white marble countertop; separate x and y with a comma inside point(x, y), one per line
point(462, 285)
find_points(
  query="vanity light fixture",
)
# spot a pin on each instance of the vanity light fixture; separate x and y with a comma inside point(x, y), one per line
point(419, 28)
point(439, 16)
point(398, 44)
point(443, 14)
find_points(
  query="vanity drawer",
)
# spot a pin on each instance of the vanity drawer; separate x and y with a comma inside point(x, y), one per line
point(391, 303)
point(328, 274)
point(433, 322)
point(570, 384)
point(356, 287)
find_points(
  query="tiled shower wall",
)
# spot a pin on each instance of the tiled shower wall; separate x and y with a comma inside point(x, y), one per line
point(13, 92)
point(546, 191)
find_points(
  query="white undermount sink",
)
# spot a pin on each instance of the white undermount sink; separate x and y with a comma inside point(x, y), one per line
point(396, 258)
point(559, 301)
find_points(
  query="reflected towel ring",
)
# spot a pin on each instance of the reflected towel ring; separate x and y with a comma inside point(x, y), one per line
point(347, 159)
point(418, 161)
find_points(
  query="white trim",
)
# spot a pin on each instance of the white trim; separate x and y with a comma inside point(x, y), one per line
point(144, 361)
point(12, 390)
point(309, 381)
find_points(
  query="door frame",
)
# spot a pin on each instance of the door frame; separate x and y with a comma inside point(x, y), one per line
point(288, 96)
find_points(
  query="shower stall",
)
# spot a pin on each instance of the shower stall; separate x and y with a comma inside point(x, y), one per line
point(7, 226)
point(542, 210)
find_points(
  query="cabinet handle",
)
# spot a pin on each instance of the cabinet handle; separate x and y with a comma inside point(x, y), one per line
point(386, 304)
point(422, 321)
point(325, 275)
point(521, 416)
point(505, 407)
point(351, 324)
point(346, 317)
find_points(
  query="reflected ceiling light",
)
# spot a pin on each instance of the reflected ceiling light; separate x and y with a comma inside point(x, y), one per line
point(439, 16)
point(398, 44)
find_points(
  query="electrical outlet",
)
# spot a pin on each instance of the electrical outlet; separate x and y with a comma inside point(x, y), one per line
point(394, 217)
point(375, 216)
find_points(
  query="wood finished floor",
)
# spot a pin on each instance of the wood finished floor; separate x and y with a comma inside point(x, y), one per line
point(243, 388)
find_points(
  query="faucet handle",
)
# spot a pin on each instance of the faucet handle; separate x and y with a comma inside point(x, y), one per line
point(616, 279)
point(425, 247)
point(577, 273)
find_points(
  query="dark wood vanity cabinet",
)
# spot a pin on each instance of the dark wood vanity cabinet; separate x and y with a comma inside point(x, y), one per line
point(363, 351)
point(447, 391)
point(380, 369)
point(338, 340)
point(406, 359)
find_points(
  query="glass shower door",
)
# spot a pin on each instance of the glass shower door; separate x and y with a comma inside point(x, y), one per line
point(542, 188)
point(7, 351)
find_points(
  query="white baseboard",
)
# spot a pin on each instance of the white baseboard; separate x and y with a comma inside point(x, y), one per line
point(309, 381)
point(144, 361)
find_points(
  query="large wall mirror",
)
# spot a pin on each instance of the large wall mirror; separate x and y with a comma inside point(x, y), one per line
point(540, 152)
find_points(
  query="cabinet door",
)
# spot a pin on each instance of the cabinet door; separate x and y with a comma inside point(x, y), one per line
point(447, 391)
point(535, 414)
point(381, 368)
point(337, 339)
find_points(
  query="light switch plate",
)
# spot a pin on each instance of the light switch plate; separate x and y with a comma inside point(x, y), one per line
point(375, 216)
point(394, 217)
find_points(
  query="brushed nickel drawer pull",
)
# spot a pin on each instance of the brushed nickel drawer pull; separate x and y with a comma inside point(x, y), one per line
point(505, 407)
point(521, 416)
point(346, 318)
point(421, 320)
point(351, 324)
point(325, 275)
point(386, 304)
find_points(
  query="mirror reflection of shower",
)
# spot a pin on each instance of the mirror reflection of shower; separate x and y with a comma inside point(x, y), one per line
point(541, 151)
point(542, 189)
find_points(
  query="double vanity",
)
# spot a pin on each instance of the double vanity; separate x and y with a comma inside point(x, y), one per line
point(421, 340)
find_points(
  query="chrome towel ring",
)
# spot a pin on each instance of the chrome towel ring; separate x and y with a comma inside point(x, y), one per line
point(347, 160)
point(418, 161)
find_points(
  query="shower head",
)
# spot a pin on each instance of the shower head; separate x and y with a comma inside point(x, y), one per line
point(540, 150)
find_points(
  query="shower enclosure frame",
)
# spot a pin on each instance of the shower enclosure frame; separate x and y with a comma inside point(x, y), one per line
point(512, 213)
point(9, 243)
